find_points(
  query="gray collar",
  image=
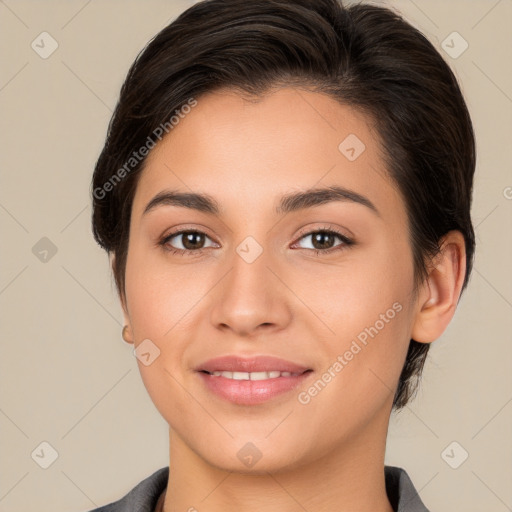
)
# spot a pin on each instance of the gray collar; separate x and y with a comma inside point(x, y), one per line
point(144, 496)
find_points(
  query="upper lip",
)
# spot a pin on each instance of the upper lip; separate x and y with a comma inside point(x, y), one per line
point(234, 363)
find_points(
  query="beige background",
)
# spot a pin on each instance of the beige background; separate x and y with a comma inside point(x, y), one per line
point(69, 379)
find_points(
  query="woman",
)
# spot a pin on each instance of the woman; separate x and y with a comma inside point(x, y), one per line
point(285, 193)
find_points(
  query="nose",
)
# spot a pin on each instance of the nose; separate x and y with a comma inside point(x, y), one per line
point(251, 298)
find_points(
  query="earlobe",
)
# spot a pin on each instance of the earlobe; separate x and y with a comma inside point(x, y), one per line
point(438, 298)
point(127, 334)
point(127, 330)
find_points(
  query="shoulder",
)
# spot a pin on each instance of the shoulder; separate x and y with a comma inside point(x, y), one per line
point(401, 491)
point(143, 497)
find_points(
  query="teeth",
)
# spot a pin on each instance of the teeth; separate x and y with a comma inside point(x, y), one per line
point(254, 375)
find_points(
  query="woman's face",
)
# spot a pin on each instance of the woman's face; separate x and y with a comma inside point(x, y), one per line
point(266, 277)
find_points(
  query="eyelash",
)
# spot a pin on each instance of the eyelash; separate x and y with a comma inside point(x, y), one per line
point(347, 242)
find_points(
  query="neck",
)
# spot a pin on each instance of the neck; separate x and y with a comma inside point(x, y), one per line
point(349, 477)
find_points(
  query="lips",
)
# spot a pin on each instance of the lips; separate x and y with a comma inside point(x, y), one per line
point(233, 363)
point(251, 380)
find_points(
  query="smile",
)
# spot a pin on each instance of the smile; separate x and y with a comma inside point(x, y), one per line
point(251, 388)
point(253, 375)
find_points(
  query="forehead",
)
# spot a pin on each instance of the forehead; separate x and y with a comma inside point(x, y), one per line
point(247, 154)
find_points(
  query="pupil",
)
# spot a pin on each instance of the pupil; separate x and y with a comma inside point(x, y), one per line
point(321, 239)
point(189, 240)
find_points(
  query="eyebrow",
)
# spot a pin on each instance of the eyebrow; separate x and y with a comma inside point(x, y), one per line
point(291, 202)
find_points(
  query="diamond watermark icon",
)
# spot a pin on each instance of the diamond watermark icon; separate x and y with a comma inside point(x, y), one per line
point(44, 455)
point(44, 45)
point(146, 352)
point(454, 45)
point(454, 455)
point(249, 454)
point(44, 250)
point(351, 147)
point(249, 249)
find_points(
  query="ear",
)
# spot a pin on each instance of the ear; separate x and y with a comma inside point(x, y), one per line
point(440, 292)
point(127, 330)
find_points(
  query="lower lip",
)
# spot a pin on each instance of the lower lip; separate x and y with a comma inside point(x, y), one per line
point(251, 392)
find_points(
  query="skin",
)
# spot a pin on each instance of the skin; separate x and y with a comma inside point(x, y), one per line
point(290, 302)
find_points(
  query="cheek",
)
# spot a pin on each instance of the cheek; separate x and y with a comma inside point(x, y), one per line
point(160, 305)
point(351, 294)
point(363, 361)
point(364, 308)
point(160, 296)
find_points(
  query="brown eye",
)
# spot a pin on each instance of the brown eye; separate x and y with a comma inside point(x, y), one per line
point(324, 241)
point(186, 241)
point(192, 240)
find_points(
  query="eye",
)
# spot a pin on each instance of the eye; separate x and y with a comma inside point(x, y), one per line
point(193, 241)
point(322, 240)
point(189, 241)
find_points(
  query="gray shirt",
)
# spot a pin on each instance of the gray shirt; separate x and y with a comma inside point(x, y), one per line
point(143, 497)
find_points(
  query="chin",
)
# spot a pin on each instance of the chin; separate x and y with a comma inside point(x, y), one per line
point(255, 457)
